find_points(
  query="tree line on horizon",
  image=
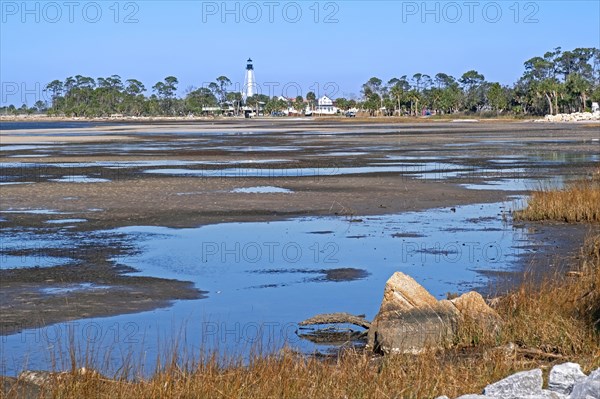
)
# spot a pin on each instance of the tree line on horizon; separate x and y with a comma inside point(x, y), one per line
point(558, 81)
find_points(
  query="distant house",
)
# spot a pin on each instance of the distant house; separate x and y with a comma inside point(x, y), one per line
point(325, 106)
point(291, 109)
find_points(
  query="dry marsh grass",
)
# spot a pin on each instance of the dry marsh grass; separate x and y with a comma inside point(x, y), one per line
point(577, 202)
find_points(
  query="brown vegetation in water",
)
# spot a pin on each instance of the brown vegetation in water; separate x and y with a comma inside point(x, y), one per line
point(577, 202)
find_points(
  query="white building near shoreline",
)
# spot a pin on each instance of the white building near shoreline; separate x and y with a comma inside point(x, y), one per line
point(325, 106)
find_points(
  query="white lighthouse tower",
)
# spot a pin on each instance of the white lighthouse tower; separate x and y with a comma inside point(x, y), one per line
point(250, 82)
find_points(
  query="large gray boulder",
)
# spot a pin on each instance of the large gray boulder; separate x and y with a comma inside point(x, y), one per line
point(39, 378)
point(587, 388)
point(563, 377)
point(517, 386)
point(411, 319)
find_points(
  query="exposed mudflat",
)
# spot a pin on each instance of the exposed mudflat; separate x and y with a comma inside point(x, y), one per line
point(65, 191)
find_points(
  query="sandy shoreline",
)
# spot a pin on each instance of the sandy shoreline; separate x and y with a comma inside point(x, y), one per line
point(109, 130)
point(163, 120)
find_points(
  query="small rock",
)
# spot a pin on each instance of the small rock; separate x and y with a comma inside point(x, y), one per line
point(509, 350)
point(43, 378)
point(587, 388)
point(563, 376)
point(517, 386)
point(39, 378)
point(573, 273)
point(13, 388)
point(472, 306)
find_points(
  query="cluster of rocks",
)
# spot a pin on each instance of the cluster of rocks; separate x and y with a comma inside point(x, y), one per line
point(410, 319)
point(566, 381)
point(574, 117)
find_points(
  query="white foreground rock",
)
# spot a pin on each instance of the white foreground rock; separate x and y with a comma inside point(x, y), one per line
point(563, 377)
point(519, 385)
point(587, 388)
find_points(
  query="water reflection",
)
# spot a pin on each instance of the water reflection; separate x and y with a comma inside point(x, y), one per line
point(265, 277)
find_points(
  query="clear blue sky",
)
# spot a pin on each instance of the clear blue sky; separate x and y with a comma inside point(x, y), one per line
point(293, 45)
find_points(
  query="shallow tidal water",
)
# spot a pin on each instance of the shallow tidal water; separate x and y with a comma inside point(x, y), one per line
point(263, 278)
